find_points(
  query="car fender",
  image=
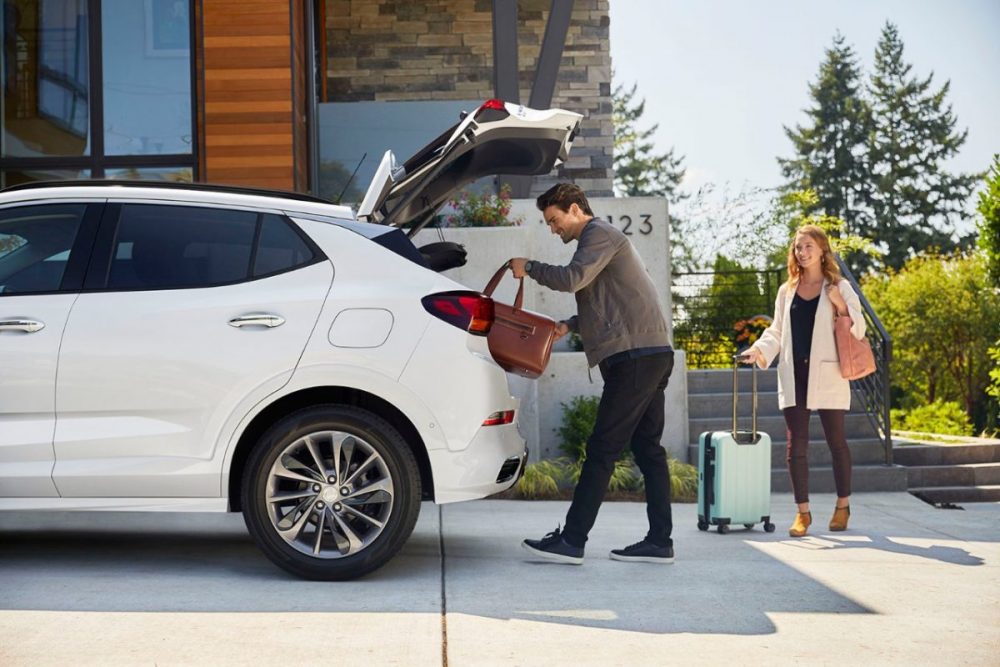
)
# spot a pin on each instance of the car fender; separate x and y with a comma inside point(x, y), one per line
point(320, 376)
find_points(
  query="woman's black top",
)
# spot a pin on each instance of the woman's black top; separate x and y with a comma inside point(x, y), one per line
point(803, 315)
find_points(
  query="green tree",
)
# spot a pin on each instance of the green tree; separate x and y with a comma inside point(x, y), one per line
point(916, 201)
point(943, 318)
point(989, 243)
point(830, 150)
point(989, 222)
point(639, 171)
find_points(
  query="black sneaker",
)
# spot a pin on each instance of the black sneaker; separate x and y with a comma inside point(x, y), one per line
point(554, 548)
point(644, 552)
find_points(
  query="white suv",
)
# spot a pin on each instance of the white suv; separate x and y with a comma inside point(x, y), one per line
point(199, 348)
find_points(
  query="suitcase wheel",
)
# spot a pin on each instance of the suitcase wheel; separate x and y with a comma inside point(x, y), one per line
point(702, 525)
point(723, 528)
point(769, 527)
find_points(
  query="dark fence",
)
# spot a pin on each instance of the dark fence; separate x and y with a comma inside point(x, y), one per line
point(717, 313)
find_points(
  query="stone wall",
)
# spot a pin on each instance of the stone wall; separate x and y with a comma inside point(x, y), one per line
point(443, 50)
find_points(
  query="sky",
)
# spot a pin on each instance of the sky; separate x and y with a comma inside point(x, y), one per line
point(721, 77)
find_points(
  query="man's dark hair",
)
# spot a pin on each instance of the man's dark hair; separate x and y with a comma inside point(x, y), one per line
point(563, 195)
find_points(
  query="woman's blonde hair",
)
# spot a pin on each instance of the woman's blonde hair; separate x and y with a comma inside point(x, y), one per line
point(831, 271)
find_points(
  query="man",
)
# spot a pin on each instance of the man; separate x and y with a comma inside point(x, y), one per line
point(624, 333)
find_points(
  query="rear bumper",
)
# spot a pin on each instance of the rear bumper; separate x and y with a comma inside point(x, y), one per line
point(481, 469)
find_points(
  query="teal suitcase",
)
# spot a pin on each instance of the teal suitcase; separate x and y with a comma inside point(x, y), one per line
point(734, 473)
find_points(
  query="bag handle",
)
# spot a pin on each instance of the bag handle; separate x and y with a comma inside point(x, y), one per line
point(495, 280)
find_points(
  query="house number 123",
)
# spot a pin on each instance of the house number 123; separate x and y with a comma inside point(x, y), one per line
point(644, 226)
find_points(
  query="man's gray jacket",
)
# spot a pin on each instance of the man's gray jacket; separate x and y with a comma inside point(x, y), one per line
point(617, 305)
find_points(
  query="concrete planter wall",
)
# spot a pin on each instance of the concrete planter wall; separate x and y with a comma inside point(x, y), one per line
point(645, 221)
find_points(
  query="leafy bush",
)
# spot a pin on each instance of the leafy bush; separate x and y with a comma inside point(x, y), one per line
point(541, 481)
point(944, 417)
point(943, 316)
point(683, 481)
point(578, 421)
point(485, 210)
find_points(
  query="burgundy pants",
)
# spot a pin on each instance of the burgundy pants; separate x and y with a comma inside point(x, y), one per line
point(797, 420)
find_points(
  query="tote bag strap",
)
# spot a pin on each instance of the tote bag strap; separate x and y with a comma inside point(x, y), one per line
point(495, 280)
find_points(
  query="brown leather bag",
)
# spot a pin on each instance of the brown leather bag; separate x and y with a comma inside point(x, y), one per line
point(520, 340)
point(856, 358)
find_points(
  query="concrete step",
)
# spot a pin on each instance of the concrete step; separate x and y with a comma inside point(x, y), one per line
point(721, 381)
point(721, 404)
point(960, 474)
point(863, 478)
point(958, 494)
point(863, 452)
point(934, 455)
point(856, 426)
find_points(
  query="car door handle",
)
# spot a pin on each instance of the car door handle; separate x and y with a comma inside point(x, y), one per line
point(257, 320)
point(29, 326)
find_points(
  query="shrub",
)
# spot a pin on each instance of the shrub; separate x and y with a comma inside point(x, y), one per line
point(540, 481)
point(485, 210)
point(944, 417)
point(683, 481)
point(578, 421)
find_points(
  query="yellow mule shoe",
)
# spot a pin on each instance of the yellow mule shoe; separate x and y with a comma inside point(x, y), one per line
point(840, 517)
point(801, 525)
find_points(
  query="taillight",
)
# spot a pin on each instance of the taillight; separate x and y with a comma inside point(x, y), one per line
point(466, 310)
point(497, 418)
point(491, 110)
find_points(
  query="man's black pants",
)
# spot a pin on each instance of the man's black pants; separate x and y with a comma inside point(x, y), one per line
point(631, 413)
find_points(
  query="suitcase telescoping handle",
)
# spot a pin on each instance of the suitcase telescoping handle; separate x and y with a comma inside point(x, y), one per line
point(736, 393)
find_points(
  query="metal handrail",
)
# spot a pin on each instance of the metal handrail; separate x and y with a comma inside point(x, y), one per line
point(873, 390)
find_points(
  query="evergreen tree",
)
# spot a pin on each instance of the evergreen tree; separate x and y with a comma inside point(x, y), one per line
point(830, 150)
point(916, 203)
point(638, 170)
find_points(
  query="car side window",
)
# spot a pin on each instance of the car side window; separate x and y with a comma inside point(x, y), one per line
point(169, 247)
point(280, 247)
point(35, 245)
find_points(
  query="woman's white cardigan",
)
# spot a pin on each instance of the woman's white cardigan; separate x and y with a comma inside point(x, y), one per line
point(827, 389)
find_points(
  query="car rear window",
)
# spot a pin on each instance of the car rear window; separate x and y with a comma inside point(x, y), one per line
point(279, 248)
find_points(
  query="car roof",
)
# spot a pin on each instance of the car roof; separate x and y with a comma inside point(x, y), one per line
point(189, 193)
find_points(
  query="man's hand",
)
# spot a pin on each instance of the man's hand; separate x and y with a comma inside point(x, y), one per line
point(751, 356)
point(561, 329)
point(517, 266)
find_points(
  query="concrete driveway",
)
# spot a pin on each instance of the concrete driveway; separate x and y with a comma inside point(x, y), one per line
point(907, 584)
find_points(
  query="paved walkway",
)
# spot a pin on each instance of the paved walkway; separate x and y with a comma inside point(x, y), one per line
point(908, 584)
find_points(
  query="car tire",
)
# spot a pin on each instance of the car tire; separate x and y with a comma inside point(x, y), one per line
point(345, 520)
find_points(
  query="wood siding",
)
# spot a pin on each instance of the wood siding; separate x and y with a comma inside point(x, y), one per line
point(248, 111)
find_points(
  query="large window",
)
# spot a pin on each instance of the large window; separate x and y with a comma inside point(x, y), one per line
point(354, 135)
point(96, 88)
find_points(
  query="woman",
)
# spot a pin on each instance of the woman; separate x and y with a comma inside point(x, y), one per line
point(801, 336)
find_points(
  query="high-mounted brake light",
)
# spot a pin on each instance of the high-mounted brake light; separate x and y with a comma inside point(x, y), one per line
point(470, 311)
point(491, 110)
point(498, 418)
